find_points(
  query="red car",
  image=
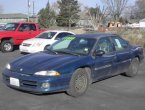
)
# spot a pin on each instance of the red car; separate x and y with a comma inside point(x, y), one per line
point(15, 33)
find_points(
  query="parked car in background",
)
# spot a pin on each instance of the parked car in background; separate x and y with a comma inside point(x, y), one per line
point(72, 63)
point(40, 42)
point(14, 33)
point(2, 25)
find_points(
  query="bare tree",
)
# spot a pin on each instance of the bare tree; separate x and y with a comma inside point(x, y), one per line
point(97, 16)
point(115, 7)
point(139, 12)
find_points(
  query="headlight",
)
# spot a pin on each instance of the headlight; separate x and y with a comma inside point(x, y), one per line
point(47, 73)
point(8, 66)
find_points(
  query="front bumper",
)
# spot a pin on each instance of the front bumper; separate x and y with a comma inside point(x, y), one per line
point(33, 83)
point(29, 49)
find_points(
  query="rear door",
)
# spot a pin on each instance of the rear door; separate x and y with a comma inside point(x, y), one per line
point(123, 54)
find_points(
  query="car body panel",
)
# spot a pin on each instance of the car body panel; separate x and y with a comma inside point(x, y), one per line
point(18, 36)
point(109, 64)
point(38, 44)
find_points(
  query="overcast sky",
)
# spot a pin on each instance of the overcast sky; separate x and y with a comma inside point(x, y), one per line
point(20, 6)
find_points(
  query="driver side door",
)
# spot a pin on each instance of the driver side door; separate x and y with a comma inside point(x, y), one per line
point(23, 32)
point(104, 63)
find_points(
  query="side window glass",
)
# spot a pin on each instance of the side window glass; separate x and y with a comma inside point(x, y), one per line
point(59, 36)
point(119, 43)
point(105, 45)
point(62, 35)
point(67, 34)
point(32, 27)
point(24, 27)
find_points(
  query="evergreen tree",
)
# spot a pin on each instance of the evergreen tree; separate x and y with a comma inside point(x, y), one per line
point(47, 17)
point(68, 15)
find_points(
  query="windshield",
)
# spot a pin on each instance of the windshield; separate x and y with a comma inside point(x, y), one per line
point(46, 35)
point(73, 45)
point(10, 26)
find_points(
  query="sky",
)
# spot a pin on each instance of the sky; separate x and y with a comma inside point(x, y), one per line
point(21, 6)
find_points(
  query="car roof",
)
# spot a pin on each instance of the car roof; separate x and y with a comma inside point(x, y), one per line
point(95, 35)
point(58, 31)
point(24, 22)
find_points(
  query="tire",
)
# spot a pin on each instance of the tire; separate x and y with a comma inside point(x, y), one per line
point(79, 83)
point(6, 46)
point(133, 69)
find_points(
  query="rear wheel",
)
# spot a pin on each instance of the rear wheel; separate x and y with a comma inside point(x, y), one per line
point(6, 46)
point(79, 83)
point(133, 69)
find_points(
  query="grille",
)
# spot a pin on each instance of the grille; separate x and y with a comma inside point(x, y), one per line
point(25, 44)
point(27, 83)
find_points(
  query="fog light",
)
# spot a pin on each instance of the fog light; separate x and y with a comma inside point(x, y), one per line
point(45, 85)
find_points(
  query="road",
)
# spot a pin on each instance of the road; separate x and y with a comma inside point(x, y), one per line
point(116, 93)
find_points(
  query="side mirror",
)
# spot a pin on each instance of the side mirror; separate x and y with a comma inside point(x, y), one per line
point(46, 47)
point(99, 53)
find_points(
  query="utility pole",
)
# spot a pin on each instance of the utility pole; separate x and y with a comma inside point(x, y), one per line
point(33, 11)
point(28, 10)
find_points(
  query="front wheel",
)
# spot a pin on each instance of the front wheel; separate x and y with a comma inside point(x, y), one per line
point(79, 83)
point(133, 69)
point(6, 46)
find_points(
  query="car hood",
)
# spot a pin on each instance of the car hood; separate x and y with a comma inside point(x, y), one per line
point(38, 41)
point(32, 63)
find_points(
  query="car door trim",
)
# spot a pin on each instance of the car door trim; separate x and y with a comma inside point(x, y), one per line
point(102, 67)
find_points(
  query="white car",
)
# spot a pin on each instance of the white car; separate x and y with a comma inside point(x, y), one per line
point(43, 40)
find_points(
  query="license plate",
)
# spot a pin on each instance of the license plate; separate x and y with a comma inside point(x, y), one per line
point(14, 82)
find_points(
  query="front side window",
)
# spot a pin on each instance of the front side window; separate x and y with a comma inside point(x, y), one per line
point(46, 35)
point(75, 45)
point(105, 45)
point(32, 27)
point(119, 43)
point(10, 26)
point(24, 27)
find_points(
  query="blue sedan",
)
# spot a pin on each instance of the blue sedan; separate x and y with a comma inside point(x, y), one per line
point(72, 63)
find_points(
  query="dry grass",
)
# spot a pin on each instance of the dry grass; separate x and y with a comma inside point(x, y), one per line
point(134, 36)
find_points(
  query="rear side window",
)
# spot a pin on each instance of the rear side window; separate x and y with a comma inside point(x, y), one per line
point(32, 27)
point(119, 43)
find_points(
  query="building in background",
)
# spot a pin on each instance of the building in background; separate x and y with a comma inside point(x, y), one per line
point(142, 23)
point(16, 17)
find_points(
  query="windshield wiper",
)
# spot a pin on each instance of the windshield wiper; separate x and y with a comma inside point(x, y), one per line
point(64, 52)
point(52, 51)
